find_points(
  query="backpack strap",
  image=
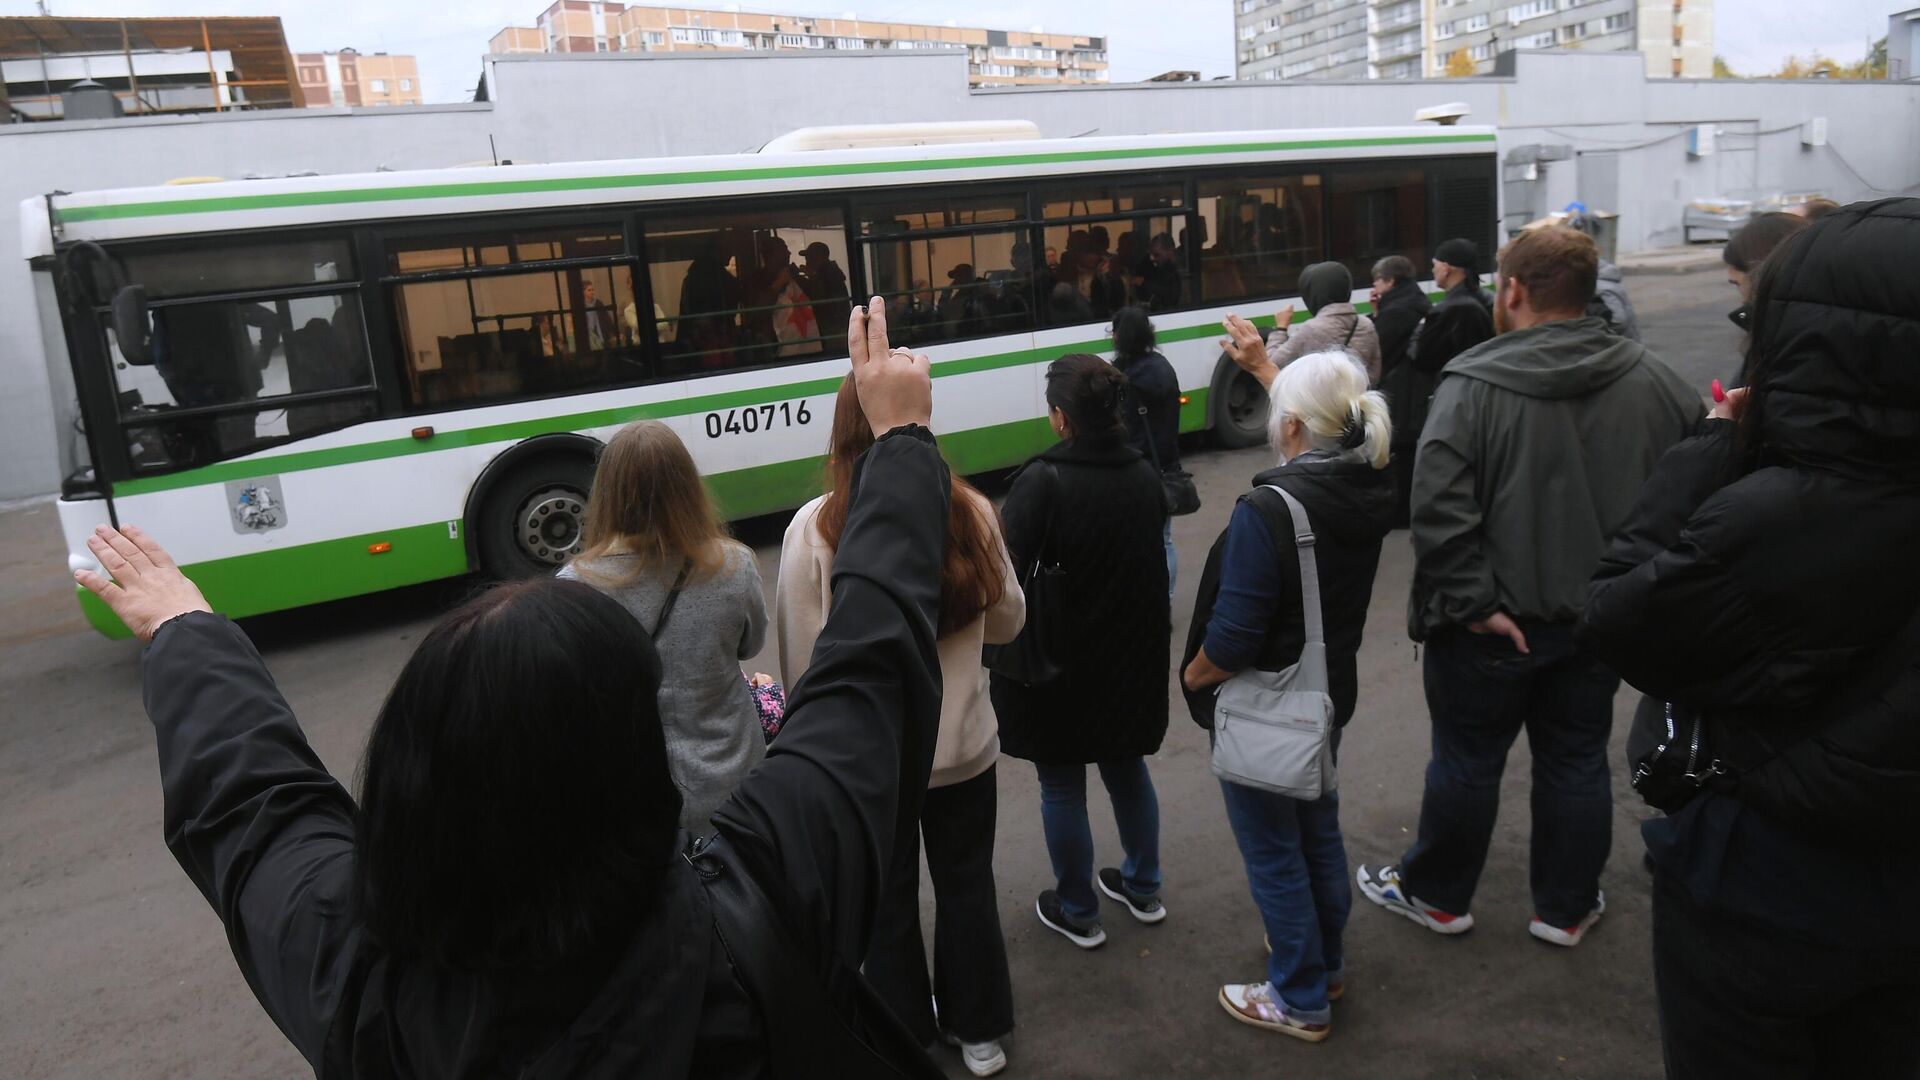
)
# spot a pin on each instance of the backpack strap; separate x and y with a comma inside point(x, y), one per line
point(1303, 542)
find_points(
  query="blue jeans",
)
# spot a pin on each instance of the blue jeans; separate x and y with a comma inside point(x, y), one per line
point(1481, 692)
point(1297, 870)
point(1063, 816)
point(1173, 562)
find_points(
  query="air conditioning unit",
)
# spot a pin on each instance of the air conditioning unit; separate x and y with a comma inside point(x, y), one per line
point(1814, 132)
point(1700, 141)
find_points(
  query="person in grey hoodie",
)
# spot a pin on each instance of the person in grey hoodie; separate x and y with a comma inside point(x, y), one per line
point(1610, 302)
point(1327, 290)
point(1534, 451)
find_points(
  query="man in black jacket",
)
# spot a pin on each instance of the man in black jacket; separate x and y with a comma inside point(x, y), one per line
point(679, 984)
point(1461, 320)
point(1399, 306)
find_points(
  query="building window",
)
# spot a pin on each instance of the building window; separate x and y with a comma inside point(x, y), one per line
point(1443, 31)
point(1530, 10)
point(406, 84)
point(654, 37)
point(699, 35)
point(1255, 234)
point(1616, 23)
point(1482, 51)
point(742, 289)
point(1472, 23)
point(1542, 40)
point(1573, 32)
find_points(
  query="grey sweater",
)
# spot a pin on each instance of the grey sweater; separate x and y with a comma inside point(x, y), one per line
point(712, 729)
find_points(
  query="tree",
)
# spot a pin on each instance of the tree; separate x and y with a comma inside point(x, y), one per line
point(1460, 65)
point(1723, 70)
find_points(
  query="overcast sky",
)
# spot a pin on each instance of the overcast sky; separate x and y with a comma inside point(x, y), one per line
point(1144, 37)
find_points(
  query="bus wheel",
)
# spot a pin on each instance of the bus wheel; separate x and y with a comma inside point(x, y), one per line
point(1239, 409)
point(533, 519)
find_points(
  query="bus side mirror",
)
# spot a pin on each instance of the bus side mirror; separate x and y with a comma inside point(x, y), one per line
point(131, 328)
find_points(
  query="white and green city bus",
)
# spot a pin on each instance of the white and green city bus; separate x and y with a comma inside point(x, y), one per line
point(319, 387)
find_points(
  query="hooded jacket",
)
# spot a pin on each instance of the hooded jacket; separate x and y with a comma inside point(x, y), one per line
point(1535, 448)
point(266, 833)
point(1610, 295)
point(1761, 590)
point(1326, 290)
point(1350, 507)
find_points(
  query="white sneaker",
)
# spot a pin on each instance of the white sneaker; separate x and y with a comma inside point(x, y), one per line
point(981, 1058)
point(1569, 937)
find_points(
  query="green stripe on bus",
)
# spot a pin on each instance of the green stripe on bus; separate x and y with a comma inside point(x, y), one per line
point(287, 577)
point(284, 200)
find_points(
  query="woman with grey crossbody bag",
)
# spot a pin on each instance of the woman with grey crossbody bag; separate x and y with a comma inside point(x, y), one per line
point(1271, 671)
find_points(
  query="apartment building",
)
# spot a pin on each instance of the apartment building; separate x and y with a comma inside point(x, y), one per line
point(1404, 39)
point(353, 78)
point(994, 57)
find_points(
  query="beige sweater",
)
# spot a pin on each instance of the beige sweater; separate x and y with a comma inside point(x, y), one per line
point(969, 741)
point(1328, 330)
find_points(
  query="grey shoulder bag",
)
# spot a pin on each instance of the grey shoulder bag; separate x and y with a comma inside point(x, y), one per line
point(1273, 730)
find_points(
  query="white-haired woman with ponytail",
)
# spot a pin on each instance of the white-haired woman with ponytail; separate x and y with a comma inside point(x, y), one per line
point(1333, 436)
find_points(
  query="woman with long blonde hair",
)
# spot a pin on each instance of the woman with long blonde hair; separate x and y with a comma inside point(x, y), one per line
point(654, 543)
point(980, 604)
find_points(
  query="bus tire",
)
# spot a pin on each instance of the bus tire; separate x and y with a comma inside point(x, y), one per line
point(1239, 407)
point(532, 519)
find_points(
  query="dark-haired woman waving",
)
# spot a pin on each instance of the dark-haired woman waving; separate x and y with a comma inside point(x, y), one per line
point(1093, 507)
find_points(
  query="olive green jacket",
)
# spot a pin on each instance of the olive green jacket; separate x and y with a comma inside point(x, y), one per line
point(1535, 448)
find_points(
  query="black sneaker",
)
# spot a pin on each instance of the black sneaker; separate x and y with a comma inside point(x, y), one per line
point(1085, 933)
point(1147, 909)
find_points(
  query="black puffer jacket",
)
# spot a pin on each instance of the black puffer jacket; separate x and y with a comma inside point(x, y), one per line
point(1094, 505)
point(1350, 506)
point(1760, 583)
point(1407, 388)
point(1462, 319)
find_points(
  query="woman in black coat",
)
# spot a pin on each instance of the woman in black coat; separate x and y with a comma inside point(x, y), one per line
point(1093, 507)
point(512, 894)
point(1767, 583)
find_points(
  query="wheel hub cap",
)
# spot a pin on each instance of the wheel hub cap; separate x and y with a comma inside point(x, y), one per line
point(550, 524)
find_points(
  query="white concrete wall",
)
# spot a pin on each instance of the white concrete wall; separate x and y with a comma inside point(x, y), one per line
point(581, 107)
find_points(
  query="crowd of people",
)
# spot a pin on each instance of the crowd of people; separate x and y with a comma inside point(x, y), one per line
point(577, 851)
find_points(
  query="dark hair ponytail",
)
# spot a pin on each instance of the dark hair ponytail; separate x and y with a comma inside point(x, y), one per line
point(1088, 390)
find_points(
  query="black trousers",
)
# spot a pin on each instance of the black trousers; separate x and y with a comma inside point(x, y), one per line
point(1740, 999)
point(970, 978)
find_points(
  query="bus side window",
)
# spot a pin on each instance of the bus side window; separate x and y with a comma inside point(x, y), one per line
point(950, 267)
point(1255, 234)
point(1377, 211)
point(1110, 243)
point(516, 313)
point(741, 289)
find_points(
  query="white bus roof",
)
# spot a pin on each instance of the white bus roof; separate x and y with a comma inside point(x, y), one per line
point(246, 205)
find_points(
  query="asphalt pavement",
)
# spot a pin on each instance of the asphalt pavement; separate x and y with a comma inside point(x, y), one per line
point(111, 964)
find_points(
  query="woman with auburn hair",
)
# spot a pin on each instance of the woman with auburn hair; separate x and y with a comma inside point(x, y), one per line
point(653, 542)
point(980, 604)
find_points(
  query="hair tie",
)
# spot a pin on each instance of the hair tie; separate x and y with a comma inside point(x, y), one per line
point(1354, 435)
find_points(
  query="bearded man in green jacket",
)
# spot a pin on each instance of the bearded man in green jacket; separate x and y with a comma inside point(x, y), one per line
point(1535, 448)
